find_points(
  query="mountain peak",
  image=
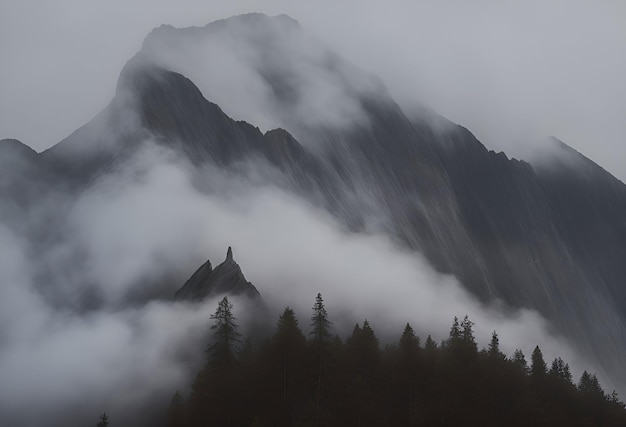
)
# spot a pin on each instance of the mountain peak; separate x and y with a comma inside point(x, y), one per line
point(16, 147)
point(226, 278)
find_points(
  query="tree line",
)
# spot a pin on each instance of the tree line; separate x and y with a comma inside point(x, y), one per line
point(291, 379)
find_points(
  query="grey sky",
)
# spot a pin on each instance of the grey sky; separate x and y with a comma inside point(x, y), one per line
point(512, 72)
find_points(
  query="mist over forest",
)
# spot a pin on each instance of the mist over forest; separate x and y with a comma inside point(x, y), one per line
point(252, 133)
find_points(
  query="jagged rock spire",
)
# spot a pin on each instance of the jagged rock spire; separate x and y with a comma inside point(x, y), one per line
point(226, 278)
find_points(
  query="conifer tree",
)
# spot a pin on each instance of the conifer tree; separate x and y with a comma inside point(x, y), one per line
point(538, 367)
point(614, 400)
point(103, 421)
point(319, 322)
point(409, 347)
point(590, 386)
point(519, 360)
point(455, 331)
point(493, 350)
point(409, 343)
point(213, 391)
point(430, 346)
point(226, 339)
point(320, 338)
point(467, 331)
point(287, 329)
point(363, 372)
point(363, 349)
point(560, 371)
point(289, 346)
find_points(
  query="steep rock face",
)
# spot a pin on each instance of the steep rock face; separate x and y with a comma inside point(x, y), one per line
point(168, 102)
point(549, 237)
point(23, 179)
point(227, 278)
point(589, 207)
point(508, 230)
point(112, 136)
point(17, 163)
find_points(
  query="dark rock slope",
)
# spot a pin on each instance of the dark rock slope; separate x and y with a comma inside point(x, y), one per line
point(226, 279)
point(550, 236)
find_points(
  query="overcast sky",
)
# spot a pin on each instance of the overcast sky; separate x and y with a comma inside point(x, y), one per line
point(512, 72)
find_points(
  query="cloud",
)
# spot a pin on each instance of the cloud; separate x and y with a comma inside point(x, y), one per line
point(138, 233)
point(151, 218)
point(267, 72)
point(512, 73)
point(292, 250)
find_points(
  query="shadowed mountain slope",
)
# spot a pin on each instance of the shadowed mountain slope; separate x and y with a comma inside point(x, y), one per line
point(549, 237)
point(226, 278)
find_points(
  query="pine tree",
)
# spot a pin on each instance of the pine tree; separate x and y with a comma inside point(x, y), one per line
point(289, 348)
point(409, 347)
point(519, 360)
point(493, 351)
point(430, 346)
point(455, 331)
point(538, 367)
point(287, 329)
point(363, 367)
point(226, 339)
point(409, 343)
point(320, 323)
point(103, 421)
point(467, 332)
point(320, 338)
point(590, 386)
point(214, 391)
point(560, 371)
point(614, 400)
point(364, 350)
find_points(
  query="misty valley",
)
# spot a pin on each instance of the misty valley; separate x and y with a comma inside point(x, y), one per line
point(493, 287)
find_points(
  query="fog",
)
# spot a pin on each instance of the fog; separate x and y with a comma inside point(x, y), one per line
point(271, 74)
point(513, 73)
point(88, 324)
point(69, 364)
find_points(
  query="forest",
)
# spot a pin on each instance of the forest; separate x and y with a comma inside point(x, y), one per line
point(318, 379)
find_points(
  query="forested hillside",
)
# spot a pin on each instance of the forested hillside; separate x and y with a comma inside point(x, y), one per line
point(320, 379)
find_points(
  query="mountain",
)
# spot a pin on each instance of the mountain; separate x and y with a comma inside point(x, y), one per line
point(226, 278)
point(549, 236)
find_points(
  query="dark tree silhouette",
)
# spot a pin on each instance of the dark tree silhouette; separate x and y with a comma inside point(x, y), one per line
point(467, 331)
point(455, 331)
point(288, 351)
point(538, 367)
point(215, 387)
point(320, 339)
point(226, 339)
point(430, 346)
point(559, 370)
point(590, 386)
point(493, 351)
point(286, 380)
point(519, 360)
point(320, 334)
point(409, 351)
point(103, 421)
